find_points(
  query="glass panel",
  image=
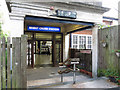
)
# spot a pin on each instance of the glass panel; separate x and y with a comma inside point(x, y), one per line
point(29, 35)
point(75, 39)
point(29, 53)
point(36, 47)
point(89, 46)
point(44, 36)
point(82, 42)
point(58, 52)
point(58, 37)
point(45, 47)
point(75, 46)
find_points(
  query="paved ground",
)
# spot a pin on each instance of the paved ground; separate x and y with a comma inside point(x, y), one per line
point(48, 77)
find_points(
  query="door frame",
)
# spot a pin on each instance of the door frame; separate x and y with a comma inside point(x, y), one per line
point(53, 46)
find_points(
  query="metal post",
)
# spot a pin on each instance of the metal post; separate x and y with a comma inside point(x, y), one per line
point(74, 77)
point(61, 77)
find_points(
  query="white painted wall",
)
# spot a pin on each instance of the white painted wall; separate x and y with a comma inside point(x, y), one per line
point(113, 5)
point(4, 17)
point(115, 22)
point(89, 17)
point(16, 28)
point(119, 13)
point(83, 14)
point(66, 46)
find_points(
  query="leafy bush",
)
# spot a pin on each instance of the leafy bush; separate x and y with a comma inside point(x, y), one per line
point(118, 78)
point(2, 34)
point(107, 72)
point(101, 72)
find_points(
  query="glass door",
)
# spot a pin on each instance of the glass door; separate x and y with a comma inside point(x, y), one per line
point(30, 53)
point(59, 48)
point(58, 52)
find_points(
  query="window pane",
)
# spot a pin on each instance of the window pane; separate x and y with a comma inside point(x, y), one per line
point(89, 46)
point(75, 39)
point(75, 46)
point(82, 42)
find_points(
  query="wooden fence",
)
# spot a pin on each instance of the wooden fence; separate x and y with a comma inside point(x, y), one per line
point(85, 58)
point(107, 58)
point(13, 59)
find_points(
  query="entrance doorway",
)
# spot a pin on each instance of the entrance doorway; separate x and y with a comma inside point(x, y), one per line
point(44, 49)
point(43, 53)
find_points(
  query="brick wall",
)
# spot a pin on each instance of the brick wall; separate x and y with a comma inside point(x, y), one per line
point(87, 32)
point(107, 22)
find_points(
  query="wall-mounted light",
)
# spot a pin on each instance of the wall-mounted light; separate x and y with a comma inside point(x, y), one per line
point(117, 54)
point(104, 44)
point(51, 8)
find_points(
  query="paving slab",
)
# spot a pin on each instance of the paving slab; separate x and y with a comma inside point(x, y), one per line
point(49, 78)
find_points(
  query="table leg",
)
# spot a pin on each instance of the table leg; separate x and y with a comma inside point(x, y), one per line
point(61, 77)
point(74, 76)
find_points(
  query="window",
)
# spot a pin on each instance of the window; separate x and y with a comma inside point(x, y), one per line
point(81, 41)
point(89, 42)
point(75, 41)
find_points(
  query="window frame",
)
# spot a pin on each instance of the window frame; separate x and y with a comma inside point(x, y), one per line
point(78, 35)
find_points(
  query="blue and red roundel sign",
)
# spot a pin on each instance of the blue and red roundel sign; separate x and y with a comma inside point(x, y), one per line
point(43, 28)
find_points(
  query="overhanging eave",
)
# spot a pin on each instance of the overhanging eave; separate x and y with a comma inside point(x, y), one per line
point(81, 29)
point(58, 20)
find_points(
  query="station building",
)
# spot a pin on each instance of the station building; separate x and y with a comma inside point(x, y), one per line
point(49, 25)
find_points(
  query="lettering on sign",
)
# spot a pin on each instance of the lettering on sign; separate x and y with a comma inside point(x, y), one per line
point(43, 28)
point(66, 14)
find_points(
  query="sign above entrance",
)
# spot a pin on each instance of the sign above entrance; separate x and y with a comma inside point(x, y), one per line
point(43, 28)
point(66, 14)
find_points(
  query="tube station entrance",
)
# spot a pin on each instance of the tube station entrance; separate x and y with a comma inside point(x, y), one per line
point(48, 39)
point(44, 48)
point(70, 18)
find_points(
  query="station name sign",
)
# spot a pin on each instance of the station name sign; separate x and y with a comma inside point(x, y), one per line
point(43, 28)
point(66, 14)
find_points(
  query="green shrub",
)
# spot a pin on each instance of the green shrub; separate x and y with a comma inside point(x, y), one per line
point(2, 34)
point(101, 72)
point(107, 72)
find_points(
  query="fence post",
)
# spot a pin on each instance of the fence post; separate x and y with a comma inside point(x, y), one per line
point(8, 64)
point(3, 64)
point(23, 60)
point(13, 63)
point(18, 62)
point(0, 63)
